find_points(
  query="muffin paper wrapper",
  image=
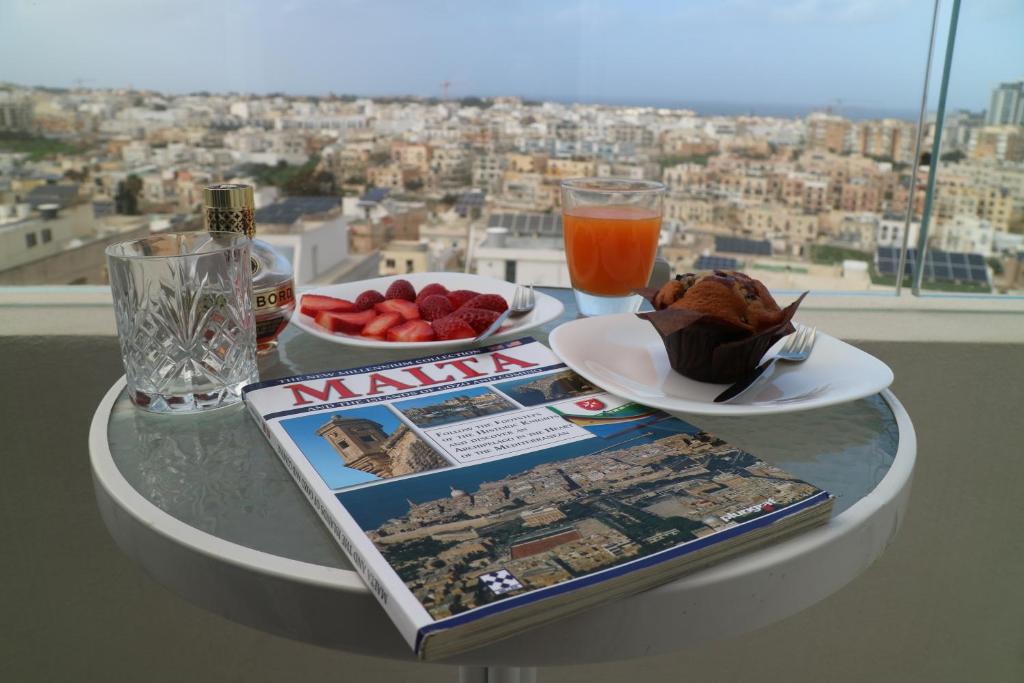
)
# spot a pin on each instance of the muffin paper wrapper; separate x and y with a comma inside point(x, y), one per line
point(709, 349)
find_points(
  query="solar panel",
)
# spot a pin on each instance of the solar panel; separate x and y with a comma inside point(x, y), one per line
point(715, 263)
point(738, 245)
point(470, 200)
point(526, 224)
point(946, 266)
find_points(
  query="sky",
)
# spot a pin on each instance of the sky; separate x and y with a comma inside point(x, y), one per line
point(322, 456)
point(814, 53)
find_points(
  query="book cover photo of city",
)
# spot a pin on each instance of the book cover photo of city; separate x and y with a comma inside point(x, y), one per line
point(354, 446)
point(468, 536)
point(532, 391)
point(434, 410)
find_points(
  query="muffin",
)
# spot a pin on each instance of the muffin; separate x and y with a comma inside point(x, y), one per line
point(716, 327)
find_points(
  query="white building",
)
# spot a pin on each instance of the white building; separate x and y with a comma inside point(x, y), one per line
point(967, 234)
point(889, 232)
point(524, 249)
point(1006, 106)
point(310, 232)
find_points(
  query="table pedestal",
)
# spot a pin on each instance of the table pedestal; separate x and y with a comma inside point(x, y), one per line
point(497, 674)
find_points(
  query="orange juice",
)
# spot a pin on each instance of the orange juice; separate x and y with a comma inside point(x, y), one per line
point(610, 249)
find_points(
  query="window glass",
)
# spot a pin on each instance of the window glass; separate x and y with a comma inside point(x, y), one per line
point(974, 238)
point(784, 131)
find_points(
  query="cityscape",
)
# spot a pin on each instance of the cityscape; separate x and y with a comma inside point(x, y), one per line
point(351, 187)
point(657, 486)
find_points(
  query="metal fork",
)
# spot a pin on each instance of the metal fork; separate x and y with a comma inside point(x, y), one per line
point(796, 349)
point(523, 302)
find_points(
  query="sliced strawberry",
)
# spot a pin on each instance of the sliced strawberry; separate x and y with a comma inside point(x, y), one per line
point(412, 331)
point(451, 327)
point(460, 296)
point(367, 299)
point(491, 302)
point(407, 309)
point(379, 326)
point(478, 318)
point(401, 289)
point(314, 303)
point(435, 306)
point(349, 323)
point(430, 290)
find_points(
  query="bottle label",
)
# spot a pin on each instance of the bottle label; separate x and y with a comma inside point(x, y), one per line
point(273, 299)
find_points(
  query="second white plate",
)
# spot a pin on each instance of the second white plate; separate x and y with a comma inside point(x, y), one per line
point(625, 356)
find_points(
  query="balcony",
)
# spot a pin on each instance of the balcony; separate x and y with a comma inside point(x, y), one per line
point(825, 186)
point(80, 596)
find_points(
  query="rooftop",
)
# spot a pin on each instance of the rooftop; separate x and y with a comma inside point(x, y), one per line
point(737, 245)
point(528, 224)
point(64, 195)
point(287, 211)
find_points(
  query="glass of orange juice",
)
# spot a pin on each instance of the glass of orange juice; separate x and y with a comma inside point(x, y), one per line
point(611, 228)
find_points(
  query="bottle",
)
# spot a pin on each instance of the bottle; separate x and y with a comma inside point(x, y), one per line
point(230, 208)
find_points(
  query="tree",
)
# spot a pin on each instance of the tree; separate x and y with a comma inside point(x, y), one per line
point(955, 156)
point(311, 183)
point(126, 200)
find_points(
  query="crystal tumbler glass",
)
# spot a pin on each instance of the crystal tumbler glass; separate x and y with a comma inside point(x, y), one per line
point(183, 304)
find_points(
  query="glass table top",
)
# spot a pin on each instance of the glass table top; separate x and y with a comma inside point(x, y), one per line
point(217, 473)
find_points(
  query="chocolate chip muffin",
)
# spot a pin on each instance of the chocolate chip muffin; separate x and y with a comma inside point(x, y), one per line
point(716, 327)
point(735, 298)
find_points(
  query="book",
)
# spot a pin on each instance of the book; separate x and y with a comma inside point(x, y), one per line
point(484, 491)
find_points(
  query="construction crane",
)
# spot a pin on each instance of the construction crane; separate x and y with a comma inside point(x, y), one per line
point(444, 89)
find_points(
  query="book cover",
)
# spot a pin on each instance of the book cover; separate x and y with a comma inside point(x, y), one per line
point(469, 487)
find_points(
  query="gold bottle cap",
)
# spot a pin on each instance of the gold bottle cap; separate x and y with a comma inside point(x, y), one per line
point(229, 207)
point(229, 196)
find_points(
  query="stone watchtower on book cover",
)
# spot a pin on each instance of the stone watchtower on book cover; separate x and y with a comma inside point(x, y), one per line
point(360, 443)
point(364, 446)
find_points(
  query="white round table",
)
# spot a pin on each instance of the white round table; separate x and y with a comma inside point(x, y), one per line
point(202, 503)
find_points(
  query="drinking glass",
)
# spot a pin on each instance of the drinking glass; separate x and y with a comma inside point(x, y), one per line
point(611, 228)
point(183, 305)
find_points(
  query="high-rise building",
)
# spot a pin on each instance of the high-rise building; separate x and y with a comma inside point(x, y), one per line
point(827, 132)
point(1007, 105)
point(15, 113)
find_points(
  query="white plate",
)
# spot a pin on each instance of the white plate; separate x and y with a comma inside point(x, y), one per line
point(547, 308)
point(624, 355)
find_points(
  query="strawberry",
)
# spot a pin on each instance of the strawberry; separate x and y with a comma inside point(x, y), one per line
point(451, 327)
point(491, 302)
point(377, 327)
point(349, 323)
point(460, 296)
point(477, 318)
point(367, 299)
point(314, 303)
point(407, 309)
point(401, 289)
point(435, 306)
point(430, 290)
point(412, 331)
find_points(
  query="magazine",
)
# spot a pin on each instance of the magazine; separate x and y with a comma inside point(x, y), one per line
point(484, 491)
